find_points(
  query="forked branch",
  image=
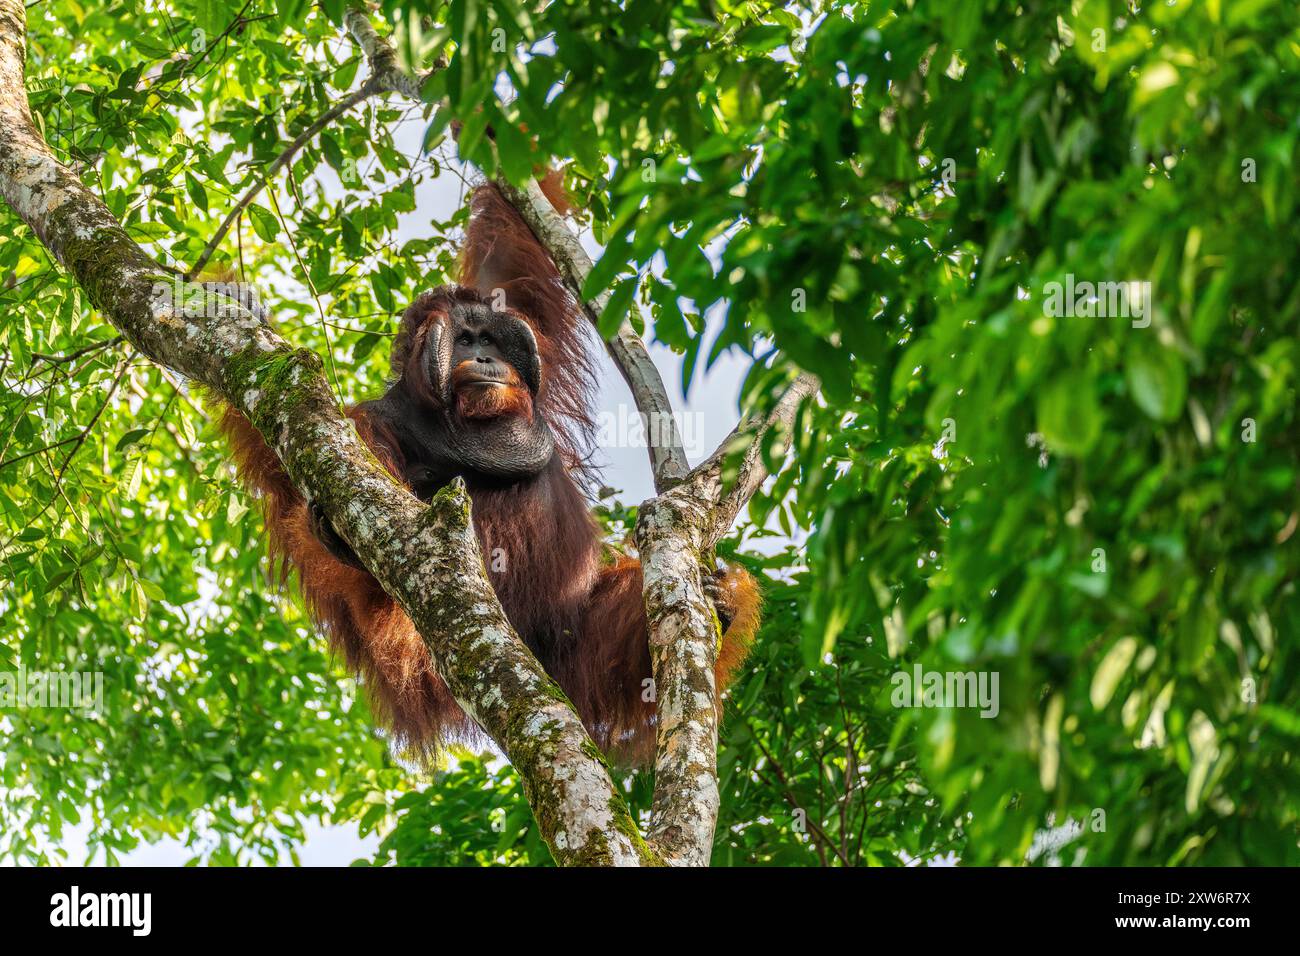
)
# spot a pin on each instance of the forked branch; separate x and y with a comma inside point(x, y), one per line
point(691, 511)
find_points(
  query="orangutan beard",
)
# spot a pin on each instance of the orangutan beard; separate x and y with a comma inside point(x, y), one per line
point(479, 398)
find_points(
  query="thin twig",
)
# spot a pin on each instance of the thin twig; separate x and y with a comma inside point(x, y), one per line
point(80, 440)
point(320, 307)
point(789, 796)
point(76, 353)
point(369, 88)
point(386, 76)
point(44, 448)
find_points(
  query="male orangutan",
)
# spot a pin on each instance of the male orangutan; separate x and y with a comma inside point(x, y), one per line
point(492, 383)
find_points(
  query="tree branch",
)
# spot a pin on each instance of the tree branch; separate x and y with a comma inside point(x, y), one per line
point(752, 471)
point(428, 559)
point(386, 70)
point(673, 530)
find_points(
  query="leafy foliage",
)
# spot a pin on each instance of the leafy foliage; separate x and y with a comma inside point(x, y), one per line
point(1099, 509)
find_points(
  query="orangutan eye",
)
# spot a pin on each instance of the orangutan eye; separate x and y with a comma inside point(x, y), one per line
point(486, 339)
point(465, 339)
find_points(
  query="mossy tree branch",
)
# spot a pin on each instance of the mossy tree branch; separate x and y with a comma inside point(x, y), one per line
point(674, 532)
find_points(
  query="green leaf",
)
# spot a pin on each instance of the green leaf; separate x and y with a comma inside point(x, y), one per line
point(133, 479)
point(265, 223)
point(198, 195)
point(1112, 667)
point(1069, 415)
point(515, 152)
point(131, 437)
point(1158, 382)
point(611, 262)
point(333, 152)
point(616, 309)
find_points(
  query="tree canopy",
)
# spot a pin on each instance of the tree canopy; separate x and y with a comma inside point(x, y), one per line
point(1096, 503)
